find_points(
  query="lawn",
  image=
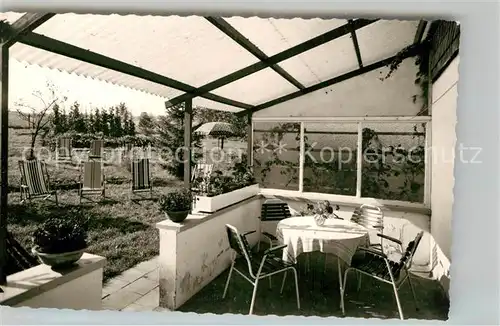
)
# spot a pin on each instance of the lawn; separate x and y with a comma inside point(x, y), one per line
point(121, 230)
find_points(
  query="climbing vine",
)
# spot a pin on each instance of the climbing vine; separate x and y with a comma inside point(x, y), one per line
point(388, 171)
point(422, 79)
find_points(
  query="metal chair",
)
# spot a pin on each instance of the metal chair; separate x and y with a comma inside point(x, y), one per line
point(141, 178)
point(35, 181)
point(376, 265)
point(93, 182)
point(372, 218)
point(255, 267)
point(272, 210)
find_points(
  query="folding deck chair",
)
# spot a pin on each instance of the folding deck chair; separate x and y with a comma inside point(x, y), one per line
point(93, 183)
point(35, 181)
point(96, 148)
point(64, 148)
point(141, 177)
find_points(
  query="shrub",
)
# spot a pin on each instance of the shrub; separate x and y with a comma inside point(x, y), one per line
point(176, 201)
point(58, 235)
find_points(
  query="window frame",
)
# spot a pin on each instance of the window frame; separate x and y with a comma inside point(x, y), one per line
point(357, 199)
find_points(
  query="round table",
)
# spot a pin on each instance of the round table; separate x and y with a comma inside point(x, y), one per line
point(338, 237)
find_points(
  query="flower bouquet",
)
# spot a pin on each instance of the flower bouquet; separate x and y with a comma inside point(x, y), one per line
point(321, 212)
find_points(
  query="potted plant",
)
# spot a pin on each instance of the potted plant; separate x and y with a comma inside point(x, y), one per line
point(219, 190)
point(59, 242)
point(176, 204)
point(321, 212)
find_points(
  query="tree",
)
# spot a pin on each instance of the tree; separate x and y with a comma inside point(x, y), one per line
point(170, 140)
point(146, 124)
point(37, 114)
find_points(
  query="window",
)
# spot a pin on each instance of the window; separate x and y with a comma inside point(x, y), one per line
point(330, 151)
point(393, 161)
point(276, 154)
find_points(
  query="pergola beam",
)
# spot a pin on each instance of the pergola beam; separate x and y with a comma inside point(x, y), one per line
point(356, 44)
point(55, 46)
point(354, 73)
point(282, 56)
point(236, 36)
point(420, 31)
point(25, 24)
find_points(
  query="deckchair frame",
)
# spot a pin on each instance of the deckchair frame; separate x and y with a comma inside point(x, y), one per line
point(43, 183)
point(138, 185)
point(92, 191)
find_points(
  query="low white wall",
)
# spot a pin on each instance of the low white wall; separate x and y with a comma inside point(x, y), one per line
point(78, 287)
point(444, 120)
point(195, 252)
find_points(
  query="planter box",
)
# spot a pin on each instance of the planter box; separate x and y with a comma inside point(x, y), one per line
point(205, 204)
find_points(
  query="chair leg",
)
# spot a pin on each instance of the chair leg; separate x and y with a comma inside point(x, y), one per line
point(270, 282)
point(227, 282)
point(358, 276)
point(254, 294)
point(55, 195)
point(396, 295)
point(283, 283)
point(342, 290)
point(296, 287)
point(413, 291)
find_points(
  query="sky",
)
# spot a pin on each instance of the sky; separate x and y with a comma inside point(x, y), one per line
point(24, 79)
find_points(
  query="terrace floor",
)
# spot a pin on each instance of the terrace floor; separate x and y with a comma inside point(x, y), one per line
point(137, 290)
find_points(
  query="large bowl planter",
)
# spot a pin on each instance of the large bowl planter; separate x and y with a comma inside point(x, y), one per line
point(178, 216)
point(60, 259)
point(204, 204)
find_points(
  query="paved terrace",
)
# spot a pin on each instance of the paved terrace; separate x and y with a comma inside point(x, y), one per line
point(137, 290)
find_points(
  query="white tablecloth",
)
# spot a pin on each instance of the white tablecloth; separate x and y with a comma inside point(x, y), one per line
point(338, 237)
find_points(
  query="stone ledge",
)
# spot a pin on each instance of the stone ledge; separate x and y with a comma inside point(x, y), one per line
point(33, 282)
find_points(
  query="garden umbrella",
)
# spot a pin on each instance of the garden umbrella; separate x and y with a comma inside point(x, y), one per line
point(217, 129)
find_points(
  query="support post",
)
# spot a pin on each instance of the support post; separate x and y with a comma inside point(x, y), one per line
point(4, 142)
point(188, 125)
point(249, 139)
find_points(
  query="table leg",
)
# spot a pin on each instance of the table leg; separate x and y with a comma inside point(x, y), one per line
point(340, 279)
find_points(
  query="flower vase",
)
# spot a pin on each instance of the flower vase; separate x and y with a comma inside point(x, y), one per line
point(319, 219)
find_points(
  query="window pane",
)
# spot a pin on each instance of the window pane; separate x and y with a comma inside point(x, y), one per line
point(330, 158)
point(276, 154)
point(393, 161)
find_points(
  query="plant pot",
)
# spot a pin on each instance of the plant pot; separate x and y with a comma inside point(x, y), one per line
point(206, 204)
point(177, 216)
point(60, 259)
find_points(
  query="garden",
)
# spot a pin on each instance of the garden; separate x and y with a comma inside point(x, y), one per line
point(120, 229)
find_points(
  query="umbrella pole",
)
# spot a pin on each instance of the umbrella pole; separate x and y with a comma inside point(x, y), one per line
point(221, 143)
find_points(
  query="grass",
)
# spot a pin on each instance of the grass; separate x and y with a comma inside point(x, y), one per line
point(319, 296)
point(121, 230)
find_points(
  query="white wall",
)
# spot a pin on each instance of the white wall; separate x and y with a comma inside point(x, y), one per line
point(79, 287)
point(444, 119)
point(84, 292)
point(191, 259)
point(364, 95)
